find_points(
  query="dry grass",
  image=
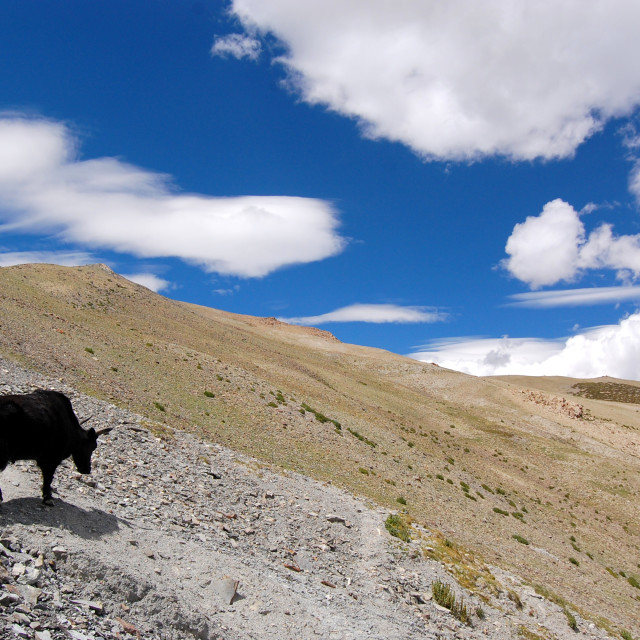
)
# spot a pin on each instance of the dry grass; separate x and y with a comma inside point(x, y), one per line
point(567, 477)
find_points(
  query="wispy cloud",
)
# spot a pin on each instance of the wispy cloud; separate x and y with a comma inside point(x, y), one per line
point(63, 258)
point(149, 280)
point(374, 313)
point(575, 297)
point(110, 204)
point(554, 247)
point(459, 79)
point(612, 350)
point(236, 45)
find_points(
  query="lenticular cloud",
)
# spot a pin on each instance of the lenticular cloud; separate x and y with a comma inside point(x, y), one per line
point(458, 79)
point(110, 204)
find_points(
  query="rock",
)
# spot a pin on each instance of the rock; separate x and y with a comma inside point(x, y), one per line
point(94, 605)
point(226, 589)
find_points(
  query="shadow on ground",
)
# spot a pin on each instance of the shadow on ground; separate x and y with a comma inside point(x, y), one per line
point(88, 524)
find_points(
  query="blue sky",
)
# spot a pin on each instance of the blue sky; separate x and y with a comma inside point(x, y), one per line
point(456, 181)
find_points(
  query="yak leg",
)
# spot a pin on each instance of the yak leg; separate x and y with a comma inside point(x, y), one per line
point(3, 465)
point(47, 477)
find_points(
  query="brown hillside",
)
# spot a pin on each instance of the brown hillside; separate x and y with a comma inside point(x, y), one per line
point(477, 460)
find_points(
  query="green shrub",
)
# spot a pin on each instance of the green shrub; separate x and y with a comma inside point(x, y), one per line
point(89, 350)
point(159, 407)
point(401, 500)
point(398, 527)
point(445, 597)
point(633, 582)
point(363, 471)
point(360, 437)
point(272, 404)
point(502, 512)
point(574, 561)
point(209, 394)
point(571, 620)
point(520, 539)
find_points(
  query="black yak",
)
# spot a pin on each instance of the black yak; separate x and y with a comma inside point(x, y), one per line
point(42, 426)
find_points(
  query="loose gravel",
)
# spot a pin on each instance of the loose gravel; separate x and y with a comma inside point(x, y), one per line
point(174, 538)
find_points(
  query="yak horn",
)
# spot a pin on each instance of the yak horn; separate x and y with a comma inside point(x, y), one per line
point(101, 432)
point(86, 419)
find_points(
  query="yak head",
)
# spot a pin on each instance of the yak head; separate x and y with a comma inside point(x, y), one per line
point(86, 445)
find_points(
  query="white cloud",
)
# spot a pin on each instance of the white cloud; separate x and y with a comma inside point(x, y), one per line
point(575, 297)
point(149, 280)
point(612, 350)
point(634, 181)
point(236, 45)
point(551, 247)
point(107, 203)
point(460, 79)
point(63, 258)
point(375, 313)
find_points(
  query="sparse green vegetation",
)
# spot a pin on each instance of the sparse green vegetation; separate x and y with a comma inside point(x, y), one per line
point(159, 406)
point(363, 471)
point(502, 512)
point(399, 527)
point(520, 539)
point(616, 391)
point(209, 394)
point(401, 500)
point(571, 620)
point(445, 597)
point(362, 438)
point(574, 561)
point(89, 350)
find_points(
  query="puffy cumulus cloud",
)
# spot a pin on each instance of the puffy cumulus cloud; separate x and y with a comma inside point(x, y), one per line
point(236, 45)
point(553, 246)
point(375, 313)
point(544, 248)
point(458, 79)
point(149, 280)
point(63, 258)
point(612, 350)
point(107, 203)
point(575, 297)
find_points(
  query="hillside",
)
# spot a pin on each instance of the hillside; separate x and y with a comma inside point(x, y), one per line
point(477, 461)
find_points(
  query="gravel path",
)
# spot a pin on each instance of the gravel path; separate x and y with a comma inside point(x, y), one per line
point(174, 538)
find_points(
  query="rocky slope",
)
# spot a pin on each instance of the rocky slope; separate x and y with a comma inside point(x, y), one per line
point(485, 466)
point(175, 538)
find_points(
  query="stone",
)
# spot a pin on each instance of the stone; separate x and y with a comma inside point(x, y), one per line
point(226, 588)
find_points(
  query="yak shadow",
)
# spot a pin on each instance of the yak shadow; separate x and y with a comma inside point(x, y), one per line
point(88, 524)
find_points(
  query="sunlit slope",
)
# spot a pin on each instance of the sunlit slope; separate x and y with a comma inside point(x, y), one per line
point(480, 460)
